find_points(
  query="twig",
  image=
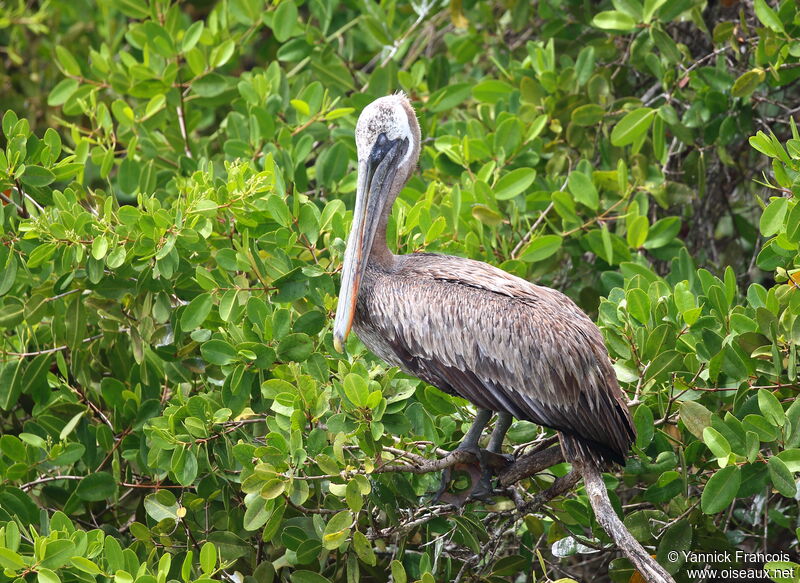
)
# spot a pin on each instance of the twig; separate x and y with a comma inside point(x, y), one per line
point(46, 479)
point(48, 350)
point(560, 486)
point(11, 201)
point(540, 218)
point(182, 126)
point(453, 458)
point(608, 519)
point(530, 464)
point(24, 194)
point(306, 510)
point(528, 235)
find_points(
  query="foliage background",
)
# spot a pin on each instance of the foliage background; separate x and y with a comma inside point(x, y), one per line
point(176, 179)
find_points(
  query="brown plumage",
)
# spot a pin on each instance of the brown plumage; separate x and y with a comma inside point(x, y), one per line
point(467, 327)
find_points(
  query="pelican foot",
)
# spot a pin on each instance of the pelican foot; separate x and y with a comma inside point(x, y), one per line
point(480, 472)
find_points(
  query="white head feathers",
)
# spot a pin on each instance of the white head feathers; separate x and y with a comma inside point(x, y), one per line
point(392, 115)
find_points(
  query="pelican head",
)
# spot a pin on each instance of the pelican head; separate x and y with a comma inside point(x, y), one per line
point(387, 141)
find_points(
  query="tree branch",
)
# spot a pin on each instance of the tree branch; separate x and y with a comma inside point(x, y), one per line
point(608, 519)
point(530, 464)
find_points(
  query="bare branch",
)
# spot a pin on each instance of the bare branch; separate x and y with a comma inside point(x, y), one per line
point(530, 464)
point(608, 519)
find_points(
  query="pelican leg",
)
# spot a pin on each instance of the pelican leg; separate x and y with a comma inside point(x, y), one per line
point(469, 443)
point(499, 433)
point(492, 460)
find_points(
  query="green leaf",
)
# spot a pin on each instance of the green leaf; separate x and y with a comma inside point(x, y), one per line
point(337, 530)
point(99, 247)
point(587, 115)
point(638, 304)
point(57, 553)
point(192, 35)
point(631, 127)
point(584, 67)
point(356, 389)
point(71, 424)
point(583, 189)
point(663, 364)
point(662, 232)
point(96, 486)
point(67, 61)
point(747, 83)
point(673, 543)
point(75, 322)
point(352, 494)
point(716, 442)
point(364, 548)
point(720, 490)
point(650, 8)
point(218, 352)
point(767, 16)
point(487, 215)
point(771, 408)
point(398, 572)
point(85, 565)
point(791, 457)
point(782, 571)
point(792, 224)
point(62, 92)
point(772, 218)
point(256, 515)
point(540, 248)
point(637, 232)
point(284, 19)
point(695, 417)
point(295, 347)
point(514, 183)
point(37, 176)
point(133, 8)
point(184, 465)
point(208, 558)
point(302, 576)
point(781, 477)
point(491, 91)
point(222, 53)
point(13, 447)
point(645, 428)
point(613, 20)
point(45, 575)
point(273, 488)
point(11, 560)
point(210, 85)
point(196, 312)
point(161, 506)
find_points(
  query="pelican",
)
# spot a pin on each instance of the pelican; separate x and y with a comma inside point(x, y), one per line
point(504, 344)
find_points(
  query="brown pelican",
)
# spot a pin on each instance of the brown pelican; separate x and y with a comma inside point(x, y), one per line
point(469, 328)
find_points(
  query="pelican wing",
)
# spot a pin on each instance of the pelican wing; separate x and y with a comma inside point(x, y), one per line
point(500, 342)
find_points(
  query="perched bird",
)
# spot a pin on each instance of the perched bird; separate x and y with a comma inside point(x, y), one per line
point(505, 344)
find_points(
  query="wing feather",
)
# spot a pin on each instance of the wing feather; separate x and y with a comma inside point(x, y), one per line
point(498, 341)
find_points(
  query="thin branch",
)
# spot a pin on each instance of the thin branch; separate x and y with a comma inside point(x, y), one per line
point(530, 464)
point(560, 486)
point(48, 350)
point(182, 126)
point(25, 195)
point(608, 519)
point(453, 458)
point(529, 234)
point(540, 218)
point(12, 202)
point(46, 479)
